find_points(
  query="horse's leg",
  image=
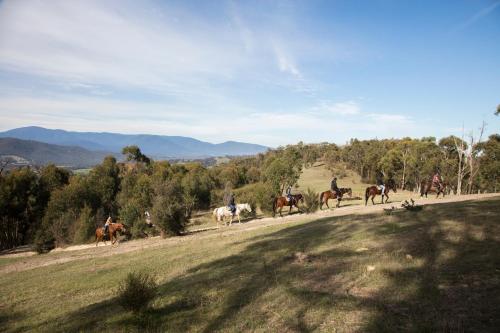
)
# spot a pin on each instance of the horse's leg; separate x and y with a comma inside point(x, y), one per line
point(373, 196)
point(281, 208)
point(386, 198)
point(338, 202)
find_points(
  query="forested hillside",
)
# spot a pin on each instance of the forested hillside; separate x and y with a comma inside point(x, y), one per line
point(55, 207)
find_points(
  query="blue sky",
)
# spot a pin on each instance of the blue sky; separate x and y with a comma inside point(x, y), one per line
point(268, 72)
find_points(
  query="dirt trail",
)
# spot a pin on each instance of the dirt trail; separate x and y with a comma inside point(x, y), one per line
point(88, 251)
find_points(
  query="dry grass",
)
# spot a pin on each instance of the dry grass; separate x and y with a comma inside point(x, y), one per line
point(435, 270)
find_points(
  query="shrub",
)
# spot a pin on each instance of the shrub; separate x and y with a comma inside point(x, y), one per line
point(137, 291)
point(44, 241)
point(257, 195)
point(169, 210)
point(311, 201)
point(85, 227)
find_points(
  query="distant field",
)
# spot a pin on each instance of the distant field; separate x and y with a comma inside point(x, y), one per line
point(319, 177)
point(81, 171)
point(435, 270)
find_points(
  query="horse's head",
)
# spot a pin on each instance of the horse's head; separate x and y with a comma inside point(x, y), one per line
point(299, 197)
point(248, 207)
point(348, 191)
point(391, 184)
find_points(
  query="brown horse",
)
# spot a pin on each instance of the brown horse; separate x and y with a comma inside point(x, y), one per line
point(372, 191)
point(112, 229)
point(325, 196)
point(280, 202)
point(428, 186)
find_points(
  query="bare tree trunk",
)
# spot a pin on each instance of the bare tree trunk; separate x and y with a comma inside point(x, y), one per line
point(473, 157)
point(462, 158)
point(403, 182)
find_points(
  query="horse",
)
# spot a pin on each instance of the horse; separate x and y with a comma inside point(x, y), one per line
point(221, 212)
point(325, 196)
point(112, 229)
point(374, 190)
point(427, 186)
point(280, 202)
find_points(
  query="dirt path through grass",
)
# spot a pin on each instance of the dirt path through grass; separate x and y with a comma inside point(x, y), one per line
point(18, 263)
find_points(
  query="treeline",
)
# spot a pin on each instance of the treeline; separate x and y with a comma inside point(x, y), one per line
point(53, 207)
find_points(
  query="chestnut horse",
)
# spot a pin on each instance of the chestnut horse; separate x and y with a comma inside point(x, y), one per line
point(325, 196)
point(112, 229)
point(280, 202)
point(372, 191)
point(428, 186)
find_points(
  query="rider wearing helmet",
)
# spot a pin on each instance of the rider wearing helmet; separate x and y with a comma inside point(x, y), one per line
point(334, 188)
point(289, 193)
point(106, 225)
point(231, 203)
point(436, 180)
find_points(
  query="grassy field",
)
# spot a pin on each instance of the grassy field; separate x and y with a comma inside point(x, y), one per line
point(319, 177)
point(435, 270)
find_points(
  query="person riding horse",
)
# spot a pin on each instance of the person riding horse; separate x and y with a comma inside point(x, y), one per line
point(335, 189)
point(231, 204)
point(380, 182)
point(106, 225)
point(288, 193)
point(437, 181)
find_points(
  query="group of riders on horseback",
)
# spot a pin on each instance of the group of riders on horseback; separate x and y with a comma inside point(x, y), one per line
point(436, 185)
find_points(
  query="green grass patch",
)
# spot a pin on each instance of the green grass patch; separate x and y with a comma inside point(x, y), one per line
point(435, 270)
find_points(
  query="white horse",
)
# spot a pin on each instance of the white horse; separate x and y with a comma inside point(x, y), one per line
point(221, 212)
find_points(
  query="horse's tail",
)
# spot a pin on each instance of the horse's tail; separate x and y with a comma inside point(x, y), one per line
point(215, 214)
point(321, 197)
point(274, 206)
point(367, 192)
point(423, 185)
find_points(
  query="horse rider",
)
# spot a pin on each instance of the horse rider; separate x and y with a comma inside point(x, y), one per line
point(289, 193)
point(437, 180)
point(231, 203)
point(334, 188)
point(380, 183)
point(148, 219)
point(106, 225)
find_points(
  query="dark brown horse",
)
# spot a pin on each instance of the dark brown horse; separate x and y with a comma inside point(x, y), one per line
point(428, 186)
point(112, 229)
point(280, 202)
point(325, 196)
point(372, 191)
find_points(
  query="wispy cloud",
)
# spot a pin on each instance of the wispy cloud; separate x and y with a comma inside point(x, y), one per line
point(340, 108)
point(478, 16)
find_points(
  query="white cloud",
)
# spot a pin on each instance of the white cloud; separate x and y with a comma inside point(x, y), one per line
point(285, 61)
point(340, 108)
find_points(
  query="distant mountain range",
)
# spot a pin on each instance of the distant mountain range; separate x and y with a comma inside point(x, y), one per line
point(28, 152)
point(156, 146)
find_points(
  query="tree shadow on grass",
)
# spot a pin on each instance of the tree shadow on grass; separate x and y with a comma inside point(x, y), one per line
point(243, 291)
point(456, 288)
point(8, 319)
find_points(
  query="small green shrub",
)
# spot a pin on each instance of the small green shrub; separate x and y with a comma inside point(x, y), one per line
point(137, 291)
point(44, 241)
point(311, 201)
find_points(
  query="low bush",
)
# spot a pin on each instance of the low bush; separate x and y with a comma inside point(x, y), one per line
point(311, 201)
point(137, 291)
